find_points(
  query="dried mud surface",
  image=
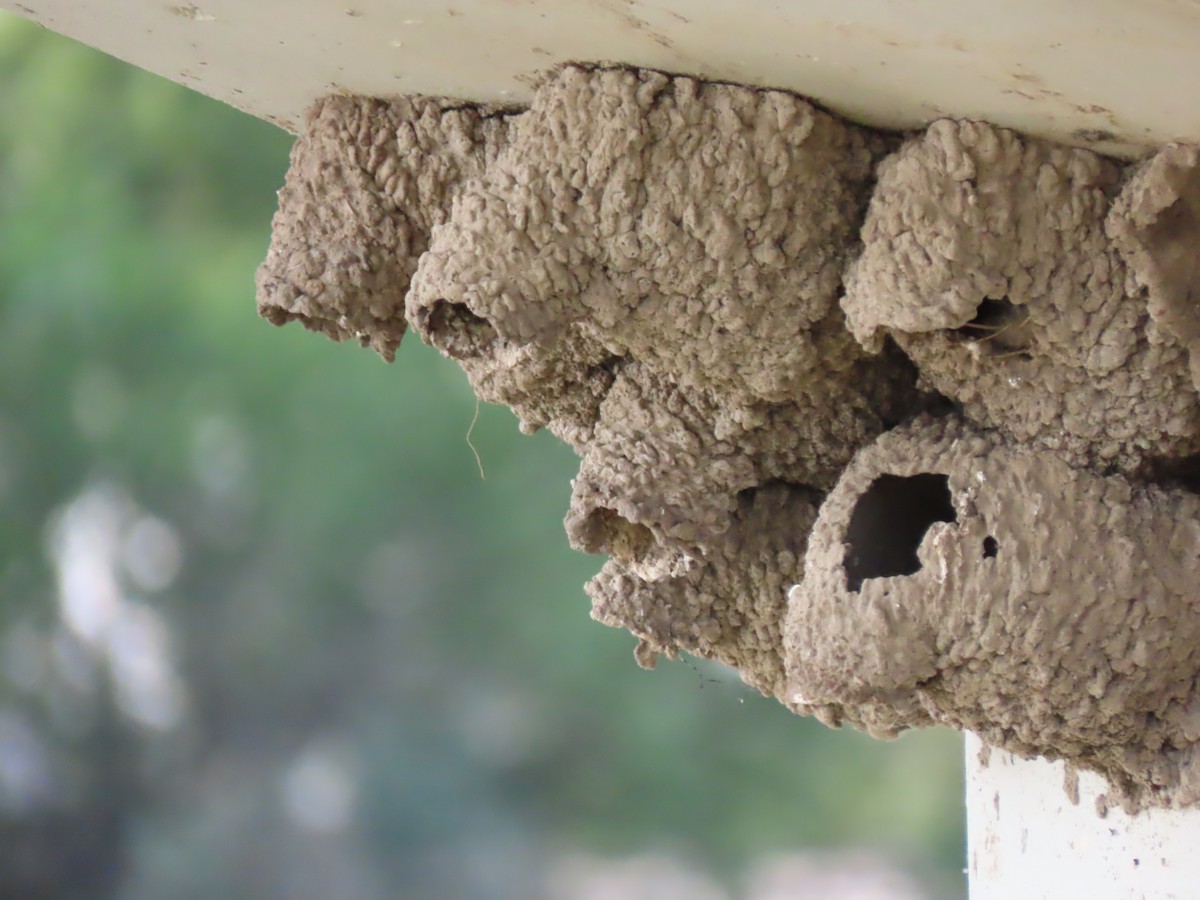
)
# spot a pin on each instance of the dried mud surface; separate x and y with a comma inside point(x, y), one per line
point(900, 428)
point(1052, 610)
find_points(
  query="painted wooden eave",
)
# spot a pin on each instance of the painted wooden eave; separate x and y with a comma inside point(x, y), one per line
point(1109, 74)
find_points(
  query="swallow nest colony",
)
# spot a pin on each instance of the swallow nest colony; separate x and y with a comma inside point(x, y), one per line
point(901, 428)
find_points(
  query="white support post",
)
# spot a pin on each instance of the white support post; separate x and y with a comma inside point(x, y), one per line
point(1034, 833)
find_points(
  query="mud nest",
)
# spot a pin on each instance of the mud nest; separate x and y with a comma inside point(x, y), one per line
point(899, 427)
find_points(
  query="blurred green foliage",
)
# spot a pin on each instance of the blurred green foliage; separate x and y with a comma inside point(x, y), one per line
point(386, 683)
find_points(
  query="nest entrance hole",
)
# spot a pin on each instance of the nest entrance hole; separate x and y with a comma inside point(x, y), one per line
point(458, 332)
point(998, 325)
point(889, 522)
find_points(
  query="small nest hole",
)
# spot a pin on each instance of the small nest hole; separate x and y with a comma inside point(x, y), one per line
point(889, 522)
point(458, 332)
point(1000, 326)
point(606, 530)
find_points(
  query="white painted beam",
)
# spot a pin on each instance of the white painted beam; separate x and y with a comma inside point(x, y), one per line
point(1107, 73)
point(1035, 834)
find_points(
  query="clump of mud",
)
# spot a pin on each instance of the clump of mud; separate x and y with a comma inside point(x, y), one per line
point(988, 258)
point(746, 315)
point(366, 186)
point(958, 578)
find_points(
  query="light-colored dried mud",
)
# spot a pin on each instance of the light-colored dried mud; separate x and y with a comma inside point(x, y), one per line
point(966, 356)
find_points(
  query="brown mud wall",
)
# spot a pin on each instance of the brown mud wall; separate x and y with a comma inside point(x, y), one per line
point(903, 429)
